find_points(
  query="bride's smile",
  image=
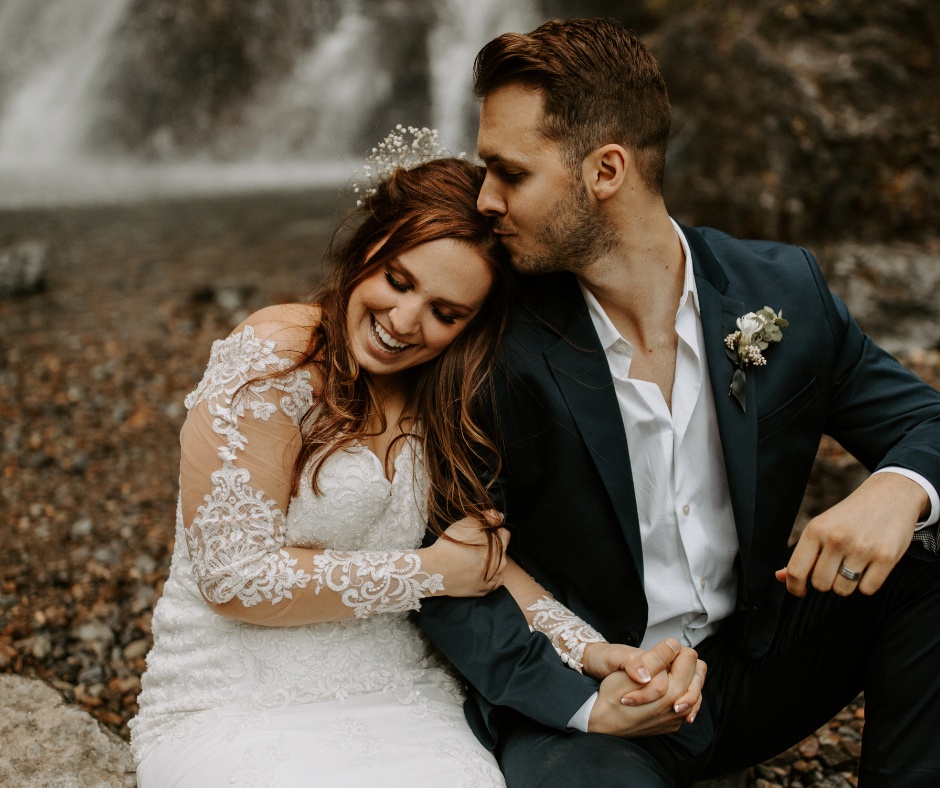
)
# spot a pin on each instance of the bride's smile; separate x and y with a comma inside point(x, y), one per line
point(412, 307)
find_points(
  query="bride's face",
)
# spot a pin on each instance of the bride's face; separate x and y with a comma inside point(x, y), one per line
point(411, 309)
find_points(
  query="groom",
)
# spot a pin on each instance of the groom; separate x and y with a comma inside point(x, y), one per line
point(654, 502)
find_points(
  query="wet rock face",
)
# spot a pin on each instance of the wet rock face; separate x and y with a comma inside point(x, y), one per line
point(183, 68)
point(46, 742)
point(801, 120)
point(234, 78)
point(893, 291)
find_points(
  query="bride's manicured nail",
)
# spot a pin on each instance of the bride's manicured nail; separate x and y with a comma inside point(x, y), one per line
point(628, 701)
point(644, 675)
point(680, 707)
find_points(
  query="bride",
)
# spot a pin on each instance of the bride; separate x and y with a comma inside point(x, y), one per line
point(320, 444)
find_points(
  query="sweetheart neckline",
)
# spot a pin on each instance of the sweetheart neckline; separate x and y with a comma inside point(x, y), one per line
point(380, 464)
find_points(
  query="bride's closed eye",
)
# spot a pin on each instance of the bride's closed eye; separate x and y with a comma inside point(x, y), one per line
point(401, 287)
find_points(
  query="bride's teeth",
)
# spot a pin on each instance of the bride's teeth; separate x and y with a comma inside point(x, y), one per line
point(387, 338)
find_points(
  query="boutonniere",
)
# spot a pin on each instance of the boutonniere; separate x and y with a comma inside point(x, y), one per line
point(756, 330)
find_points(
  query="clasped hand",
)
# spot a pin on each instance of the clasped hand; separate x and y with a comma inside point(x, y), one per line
point(644, 693)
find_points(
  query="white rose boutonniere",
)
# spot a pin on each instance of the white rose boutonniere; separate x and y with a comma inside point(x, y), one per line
point(756, 332)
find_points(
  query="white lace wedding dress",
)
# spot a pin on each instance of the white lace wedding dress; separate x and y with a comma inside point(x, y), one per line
point(359, 702)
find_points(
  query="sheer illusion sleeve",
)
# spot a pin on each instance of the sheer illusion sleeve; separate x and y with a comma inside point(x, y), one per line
point(239, 445)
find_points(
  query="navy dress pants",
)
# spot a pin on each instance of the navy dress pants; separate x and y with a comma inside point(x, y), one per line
point(827, 649)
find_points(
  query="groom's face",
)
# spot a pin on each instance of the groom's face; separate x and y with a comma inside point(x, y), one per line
point(539, 207)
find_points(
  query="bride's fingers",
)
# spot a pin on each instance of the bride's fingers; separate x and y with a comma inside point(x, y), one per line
point(694, 693)
point(493, 517)
point(649, 693)
point(641, 666)
point(695, 710)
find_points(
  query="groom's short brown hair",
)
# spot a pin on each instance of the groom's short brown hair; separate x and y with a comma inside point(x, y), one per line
point(599, 85)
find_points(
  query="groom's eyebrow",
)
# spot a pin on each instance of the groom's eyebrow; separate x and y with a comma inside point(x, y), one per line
point(495, 158)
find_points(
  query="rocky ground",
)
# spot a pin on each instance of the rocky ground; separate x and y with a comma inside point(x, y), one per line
point(93, 371)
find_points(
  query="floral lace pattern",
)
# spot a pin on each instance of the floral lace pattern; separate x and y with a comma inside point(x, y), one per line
point(236, 538)
point(206, 669)
point(477, 772)
point(564, 629)
point(352, 738)
point(257, 764)
point(376, 582)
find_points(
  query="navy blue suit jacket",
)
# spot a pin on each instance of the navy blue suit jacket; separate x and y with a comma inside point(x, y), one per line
point(566, 486)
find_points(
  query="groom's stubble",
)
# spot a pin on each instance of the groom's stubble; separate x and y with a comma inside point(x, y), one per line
point(572, 237)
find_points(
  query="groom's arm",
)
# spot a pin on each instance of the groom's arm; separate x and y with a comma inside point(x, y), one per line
point(488, 638)
point(489, 641)
point(886, 417)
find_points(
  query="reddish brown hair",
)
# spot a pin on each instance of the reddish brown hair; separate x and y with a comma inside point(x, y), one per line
point(412, 207)
point(599, 85)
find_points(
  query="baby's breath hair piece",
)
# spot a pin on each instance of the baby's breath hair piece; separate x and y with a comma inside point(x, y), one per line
point(396, 153)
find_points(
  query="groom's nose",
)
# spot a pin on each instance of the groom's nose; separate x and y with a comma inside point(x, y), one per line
point(490, 202)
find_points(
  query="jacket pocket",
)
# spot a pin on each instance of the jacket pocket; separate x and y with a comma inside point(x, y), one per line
point(773, 422)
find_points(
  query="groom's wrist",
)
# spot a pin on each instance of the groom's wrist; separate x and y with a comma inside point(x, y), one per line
point(929, 510)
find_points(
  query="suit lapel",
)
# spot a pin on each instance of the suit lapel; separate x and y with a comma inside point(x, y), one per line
point(738, 429)
point(580, 369)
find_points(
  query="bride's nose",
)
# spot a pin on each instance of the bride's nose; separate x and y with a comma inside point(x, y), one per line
point(404, 318)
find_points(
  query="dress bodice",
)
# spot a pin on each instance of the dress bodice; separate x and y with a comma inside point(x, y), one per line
point(357, 507)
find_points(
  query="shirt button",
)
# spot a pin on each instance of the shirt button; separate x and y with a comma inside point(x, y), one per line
point(620, 346)
point(702, 582)
point(686, 509)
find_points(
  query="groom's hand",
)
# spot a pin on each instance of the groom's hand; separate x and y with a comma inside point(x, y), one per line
point(648, 668)
point(867, 532)
point(610, 715)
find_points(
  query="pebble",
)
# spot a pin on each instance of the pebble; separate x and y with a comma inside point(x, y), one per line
point(81, 528)
point(136, 649)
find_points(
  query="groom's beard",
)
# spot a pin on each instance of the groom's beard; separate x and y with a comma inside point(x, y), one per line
point(572, 237)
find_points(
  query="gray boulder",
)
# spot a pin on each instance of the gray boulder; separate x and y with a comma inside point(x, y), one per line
point(21, 268)
point(47, 743)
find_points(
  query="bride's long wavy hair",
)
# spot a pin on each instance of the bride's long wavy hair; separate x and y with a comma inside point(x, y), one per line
point(411, 207)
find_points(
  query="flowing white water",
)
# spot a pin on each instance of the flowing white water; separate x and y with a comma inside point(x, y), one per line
point(301, 133)
point(45, 119)
point(461, 31)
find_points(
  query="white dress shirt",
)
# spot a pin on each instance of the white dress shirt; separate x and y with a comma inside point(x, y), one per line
point(687, 526)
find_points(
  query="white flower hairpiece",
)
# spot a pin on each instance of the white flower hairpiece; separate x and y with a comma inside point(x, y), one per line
point(396, 153)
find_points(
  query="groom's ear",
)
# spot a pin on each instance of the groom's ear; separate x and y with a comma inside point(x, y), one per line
point(606, 170)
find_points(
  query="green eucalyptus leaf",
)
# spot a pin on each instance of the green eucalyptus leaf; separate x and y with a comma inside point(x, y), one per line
point(781, 322)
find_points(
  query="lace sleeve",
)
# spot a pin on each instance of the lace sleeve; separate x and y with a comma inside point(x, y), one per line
point(238, 449)
point(239, 446)
point(568, 633)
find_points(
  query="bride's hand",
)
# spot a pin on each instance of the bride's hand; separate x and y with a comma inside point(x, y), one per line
point(463, 564)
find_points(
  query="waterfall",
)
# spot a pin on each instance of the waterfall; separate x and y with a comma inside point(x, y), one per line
point(462, 29)
point(308, 125)
point(60, 46)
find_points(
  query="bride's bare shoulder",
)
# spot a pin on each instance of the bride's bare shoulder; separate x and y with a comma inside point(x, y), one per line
point(289, 325)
